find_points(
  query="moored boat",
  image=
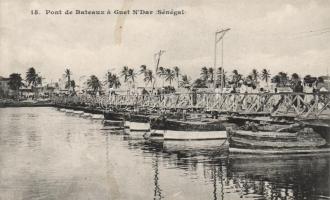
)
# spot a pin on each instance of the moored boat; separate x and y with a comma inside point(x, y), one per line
point(118, 123)
point(113, 115)
point(86, 115)
point(97, 116)
point(173, 129)
point(275, 139)
point(69, 110)
point(137, 123)
point(78, 112)
point(137, 126)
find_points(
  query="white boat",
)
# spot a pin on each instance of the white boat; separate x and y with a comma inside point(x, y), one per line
point(191, 135)
point(137, 126)
point(154, 136)
point(170, 129)
point(62, 109)
point(86, 115)
point(69, 111)
point(97, 116)
point(78, 112)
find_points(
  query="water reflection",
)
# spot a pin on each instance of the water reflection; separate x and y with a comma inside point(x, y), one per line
point(298, 177)
point(244, 176)
point(46, 154)
point(157, 190)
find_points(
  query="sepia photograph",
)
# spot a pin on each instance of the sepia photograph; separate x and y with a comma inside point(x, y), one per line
point(164, 99)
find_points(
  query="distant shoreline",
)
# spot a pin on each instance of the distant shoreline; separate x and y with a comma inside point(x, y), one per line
point(25, 104)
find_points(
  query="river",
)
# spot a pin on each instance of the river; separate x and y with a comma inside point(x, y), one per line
point(48, 154)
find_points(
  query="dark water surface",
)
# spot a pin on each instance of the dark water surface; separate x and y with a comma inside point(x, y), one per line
point(48, 154)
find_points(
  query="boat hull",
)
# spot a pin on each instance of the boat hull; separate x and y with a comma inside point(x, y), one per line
point(137, 126)
point(178, 125)
point(78, 112)
point(86, 115)
point(279, 151)
point(97, 116)
point(274, 141)
point(115, 123)
point(137, 118)
point(189, 135)
point(110, 115)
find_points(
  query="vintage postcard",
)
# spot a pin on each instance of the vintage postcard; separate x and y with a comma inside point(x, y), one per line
point(164, 99)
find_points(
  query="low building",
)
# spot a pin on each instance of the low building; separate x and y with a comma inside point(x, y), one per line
point(5, 90)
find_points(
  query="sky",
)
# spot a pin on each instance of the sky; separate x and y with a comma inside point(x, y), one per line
point(282, 35)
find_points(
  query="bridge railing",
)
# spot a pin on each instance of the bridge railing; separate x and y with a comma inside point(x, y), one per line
point(304, 105)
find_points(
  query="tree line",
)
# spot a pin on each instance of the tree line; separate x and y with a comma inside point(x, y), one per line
point(209, 78)
point(32, 78)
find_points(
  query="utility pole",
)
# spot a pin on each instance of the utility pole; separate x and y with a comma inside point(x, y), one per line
point(157, 60)
point(219, 37)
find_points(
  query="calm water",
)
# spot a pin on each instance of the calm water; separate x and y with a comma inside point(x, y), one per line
point(48, 154)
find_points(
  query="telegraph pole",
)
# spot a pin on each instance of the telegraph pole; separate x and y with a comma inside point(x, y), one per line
point(157, 56)
point(215, 57)
point(219, 37)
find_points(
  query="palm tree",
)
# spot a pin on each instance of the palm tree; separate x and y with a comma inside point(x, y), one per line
point(199, 83)
point(116, 81)
point(131, 75)
point(33, 79)
point(143, 69)
point(67, 74)
point(236, 77)
point(169, 75)
point(15, 82)
point(255, 75)
point(276, 79)
point(294, 79)
point(148, 77)
point(211, 74)
point(204, 73)
point(283, 78)
point(265, 75)
point(124, 73)
point(94, 83)
point(249, 79)
point(112, 80)
point(221, 76)
point(161, 73)
point(73, 86)
point(177, 74)
point(31, 76)
point(185, 83)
